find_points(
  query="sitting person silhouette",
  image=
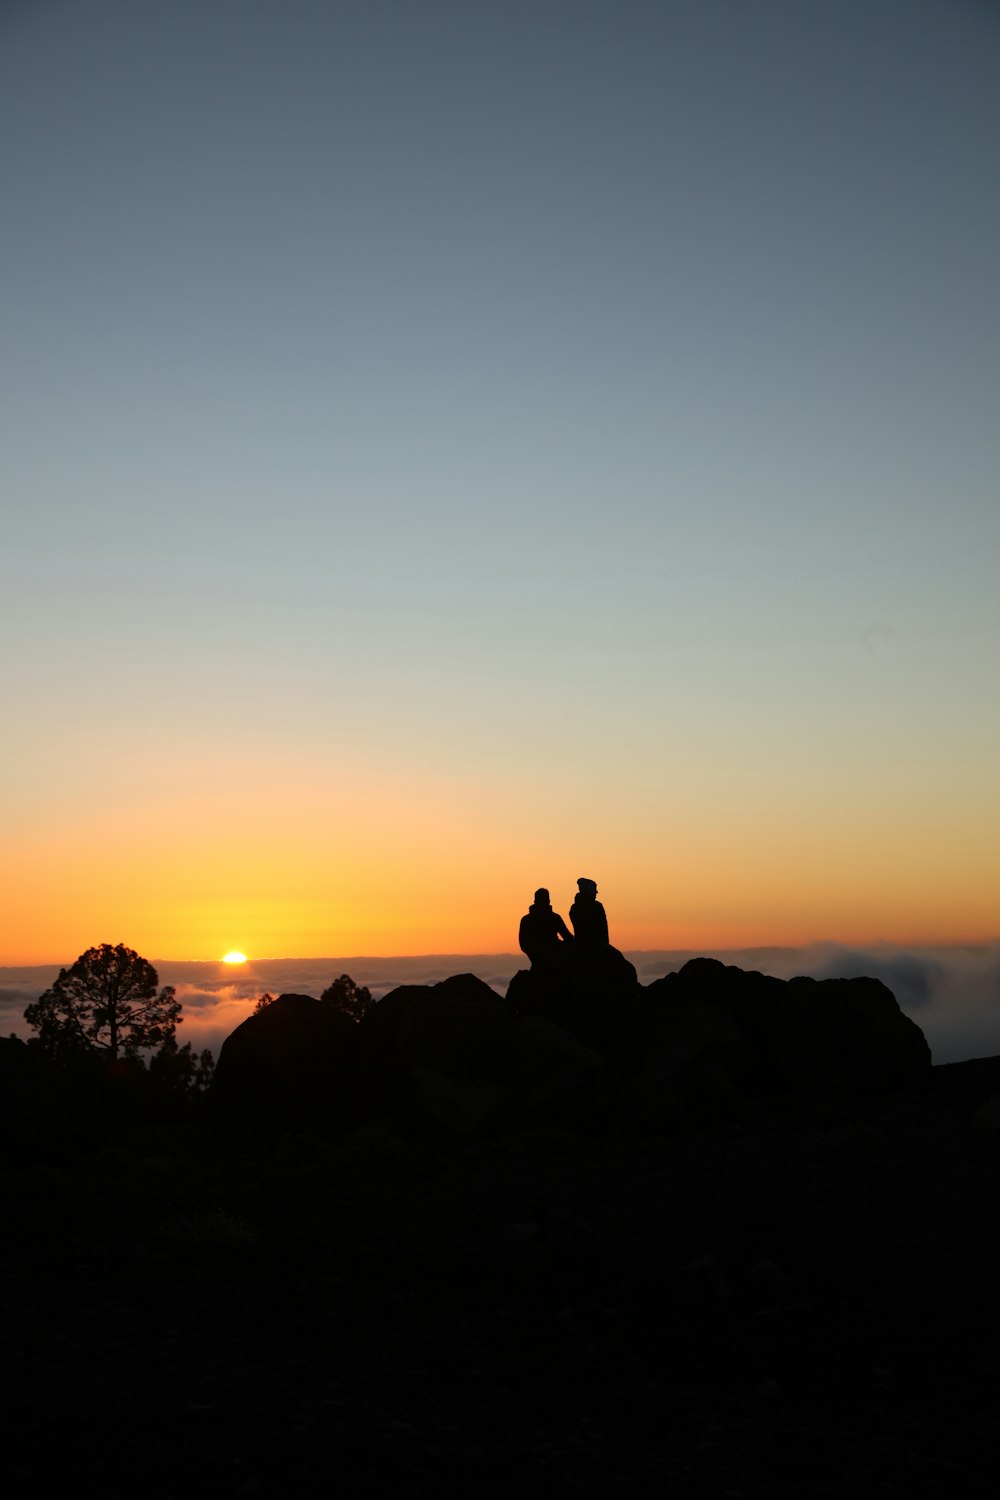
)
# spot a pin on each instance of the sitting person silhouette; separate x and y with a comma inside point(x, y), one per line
point(590, 922)
point(543, 935)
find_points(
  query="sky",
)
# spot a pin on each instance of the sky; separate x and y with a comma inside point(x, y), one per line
point(451, 448)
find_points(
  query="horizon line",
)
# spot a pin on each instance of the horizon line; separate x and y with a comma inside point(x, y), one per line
point(984, 942)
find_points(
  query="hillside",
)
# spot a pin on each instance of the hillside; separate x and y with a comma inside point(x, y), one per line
point(792, 1308)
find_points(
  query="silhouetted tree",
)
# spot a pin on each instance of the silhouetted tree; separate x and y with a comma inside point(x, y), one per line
point(355, 1000)
point(264, 1001)
point(180, 1069)
point(105, 1004)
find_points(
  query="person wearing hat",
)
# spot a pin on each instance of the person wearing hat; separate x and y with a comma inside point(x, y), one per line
point(543, 935)
point(590, 922)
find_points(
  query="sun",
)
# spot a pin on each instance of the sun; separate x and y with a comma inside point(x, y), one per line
point(235, 957)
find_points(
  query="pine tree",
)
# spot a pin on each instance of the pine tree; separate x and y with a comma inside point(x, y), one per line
point(105, 1004)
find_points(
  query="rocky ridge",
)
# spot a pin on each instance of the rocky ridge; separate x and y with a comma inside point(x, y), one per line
point(588, 1047)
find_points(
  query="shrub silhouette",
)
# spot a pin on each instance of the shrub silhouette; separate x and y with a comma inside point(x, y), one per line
point(181, 1070)
point(355, 1000)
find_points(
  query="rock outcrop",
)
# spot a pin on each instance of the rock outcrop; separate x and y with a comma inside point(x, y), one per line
point(594, 997)
point(455, 1055)
point(291, 1061)
point(715, 1038)
point(582, 1048)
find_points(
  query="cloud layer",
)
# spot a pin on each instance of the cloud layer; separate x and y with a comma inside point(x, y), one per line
point(953, 993)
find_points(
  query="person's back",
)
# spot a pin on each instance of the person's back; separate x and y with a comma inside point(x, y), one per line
point(590, 922)
point(543, 934)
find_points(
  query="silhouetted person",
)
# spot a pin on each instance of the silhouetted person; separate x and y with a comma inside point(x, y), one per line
point(543, 935)
point(590, 923)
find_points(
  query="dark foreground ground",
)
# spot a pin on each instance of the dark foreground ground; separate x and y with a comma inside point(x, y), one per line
point(792, 1309)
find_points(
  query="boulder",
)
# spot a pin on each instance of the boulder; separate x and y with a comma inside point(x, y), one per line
point(460, 1104)
point(427, 1049)
point(411, 1010)
point(292, 1062)
point(846, 1034)
point(549, 1076)
point(594, 996)
point(682, 1064)
point(454, 1055)
point(785, 1041)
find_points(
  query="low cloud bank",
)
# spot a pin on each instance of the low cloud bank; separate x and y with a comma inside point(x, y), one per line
point(952, 993)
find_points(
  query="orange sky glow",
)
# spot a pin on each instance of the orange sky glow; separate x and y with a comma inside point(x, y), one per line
point(319, 863)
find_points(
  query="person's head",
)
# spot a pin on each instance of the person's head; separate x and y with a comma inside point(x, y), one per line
point(587, 887)
point(541, 896)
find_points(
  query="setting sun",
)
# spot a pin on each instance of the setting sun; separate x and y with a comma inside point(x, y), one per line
point(234, 958)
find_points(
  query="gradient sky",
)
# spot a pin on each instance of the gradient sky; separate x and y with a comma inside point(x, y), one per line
point(451, 448)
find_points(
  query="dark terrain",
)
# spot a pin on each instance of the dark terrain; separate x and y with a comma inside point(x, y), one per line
point(792, 1307)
